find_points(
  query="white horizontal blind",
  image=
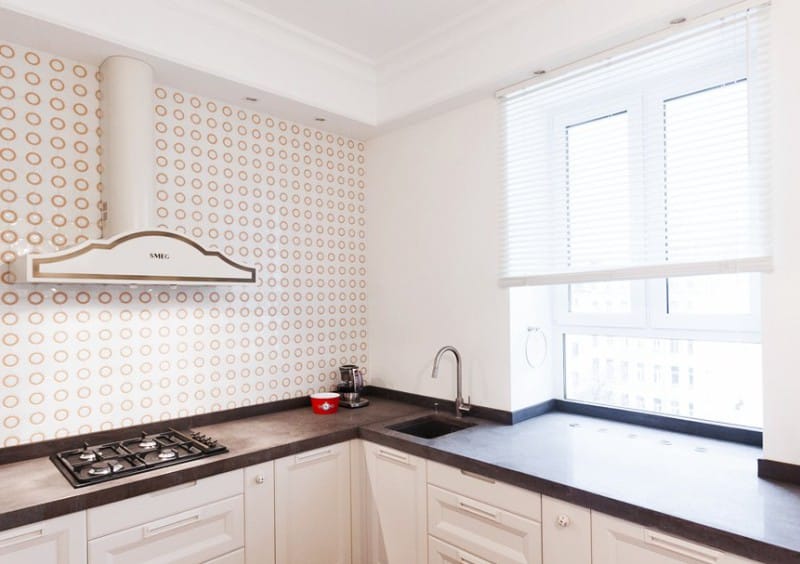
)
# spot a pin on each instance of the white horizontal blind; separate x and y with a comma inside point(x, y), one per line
point(649, 164)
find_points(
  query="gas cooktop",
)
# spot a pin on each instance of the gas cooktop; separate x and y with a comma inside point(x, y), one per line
point(94, 464)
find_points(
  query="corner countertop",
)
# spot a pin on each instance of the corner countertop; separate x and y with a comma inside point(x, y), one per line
point(701, 489)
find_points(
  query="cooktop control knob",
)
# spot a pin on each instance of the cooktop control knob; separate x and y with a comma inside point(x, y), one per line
point(204, 439)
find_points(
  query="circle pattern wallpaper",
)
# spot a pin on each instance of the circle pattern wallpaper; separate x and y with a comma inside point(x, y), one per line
point(283, 197)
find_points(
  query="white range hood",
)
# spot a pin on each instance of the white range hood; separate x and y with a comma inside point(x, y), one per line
point(130, 252)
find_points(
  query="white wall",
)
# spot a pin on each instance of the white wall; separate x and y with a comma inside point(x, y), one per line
point(433, 213)
point(781, 289)
point(433, 216)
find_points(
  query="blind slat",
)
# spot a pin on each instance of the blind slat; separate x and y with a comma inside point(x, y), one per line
point(652, 163)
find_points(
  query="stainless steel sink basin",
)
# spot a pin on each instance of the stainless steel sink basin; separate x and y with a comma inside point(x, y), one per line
point(431, 426)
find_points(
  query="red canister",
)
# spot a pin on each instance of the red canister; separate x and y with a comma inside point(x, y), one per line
point(325, 402)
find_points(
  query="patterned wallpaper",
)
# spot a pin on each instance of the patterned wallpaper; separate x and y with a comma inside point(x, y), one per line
point(284, 197)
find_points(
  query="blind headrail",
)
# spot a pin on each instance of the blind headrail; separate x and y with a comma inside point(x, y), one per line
point(551, 76)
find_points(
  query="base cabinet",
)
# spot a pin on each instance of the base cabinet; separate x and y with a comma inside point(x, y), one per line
point(55, 541)
point(486, 520)
point(615, 541)
point(397, 487)
point(259, 513)
point(349, 503)
point(566, 532)
point(312, 507)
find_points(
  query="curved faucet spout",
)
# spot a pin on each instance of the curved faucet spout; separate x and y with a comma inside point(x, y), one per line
point(461, 406)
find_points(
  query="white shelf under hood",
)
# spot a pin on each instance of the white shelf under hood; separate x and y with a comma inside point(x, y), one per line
point(149, 257)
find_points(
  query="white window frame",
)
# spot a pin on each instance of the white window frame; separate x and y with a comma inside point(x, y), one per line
point(646, 319)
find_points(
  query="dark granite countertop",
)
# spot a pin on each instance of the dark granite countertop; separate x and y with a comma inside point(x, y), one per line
point(702, 489)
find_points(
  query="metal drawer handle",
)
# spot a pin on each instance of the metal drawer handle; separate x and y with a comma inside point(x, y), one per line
point(313, 455)
point(477, 476)
point(153, 531)
point(478, 509)
point(471, 559)
point(683, 548)
point(394, 456)
point(22, 537)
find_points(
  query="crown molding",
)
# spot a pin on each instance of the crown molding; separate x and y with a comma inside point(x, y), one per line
point(505, 43)
point(215, 43)
point(468, 28)
point(259, 23)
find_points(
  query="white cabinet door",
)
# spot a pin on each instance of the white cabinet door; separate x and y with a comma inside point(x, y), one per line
point(566, 533)
point(483, 530)
point(259, 514)
point(363, 514)
point(312, 507)
point(61, 540)
point(189, 537)
point(615, 541)
point(397, 483)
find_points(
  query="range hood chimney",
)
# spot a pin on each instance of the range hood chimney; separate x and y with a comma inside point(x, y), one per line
point(131, 251)
point(128, 156)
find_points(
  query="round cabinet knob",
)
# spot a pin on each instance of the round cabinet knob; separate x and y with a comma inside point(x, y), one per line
point(563, 520)
point(259, 479)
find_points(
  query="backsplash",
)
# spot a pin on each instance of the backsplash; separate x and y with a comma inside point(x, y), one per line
point(286, 198)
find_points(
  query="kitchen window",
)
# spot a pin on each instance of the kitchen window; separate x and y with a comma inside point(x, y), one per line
point(637, 188)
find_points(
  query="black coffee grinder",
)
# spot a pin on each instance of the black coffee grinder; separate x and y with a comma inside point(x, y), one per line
point(350, 386)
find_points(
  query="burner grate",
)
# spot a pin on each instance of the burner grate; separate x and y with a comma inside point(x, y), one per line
point(100, 463)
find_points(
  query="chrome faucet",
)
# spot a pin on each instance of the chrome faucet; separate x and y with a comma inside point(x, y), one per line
point(461, 406)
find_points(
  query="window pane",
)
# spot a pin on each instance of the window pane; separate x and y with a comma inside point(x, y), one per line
point(707, 380)
point(600, 297)
point(727, 294)
point(706, 155)
point(598, 192)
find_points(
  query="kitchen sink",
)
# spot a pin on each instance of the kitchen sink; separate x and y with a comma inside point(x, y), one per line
point(431, 426)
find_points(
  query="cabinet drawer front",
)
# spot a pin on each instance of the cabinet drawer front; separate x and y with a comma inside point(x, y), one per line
point(615, 540)
point(514, 499)
point(235, 557)
point(566, 532)
point(486, 531)
point(56, 541)
point(189, 537)
point(442, 553)
point(125, 514)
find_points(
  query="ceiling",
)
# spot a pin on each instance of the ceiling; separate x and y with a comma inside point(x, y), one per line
point(371, 28)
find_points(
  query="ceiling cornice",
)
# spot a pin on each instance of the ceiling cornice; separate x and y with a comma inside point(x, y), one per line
point(228, 49)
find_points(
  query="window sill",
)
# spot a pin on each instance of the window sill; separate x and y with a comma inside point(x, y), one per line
point(743, 435)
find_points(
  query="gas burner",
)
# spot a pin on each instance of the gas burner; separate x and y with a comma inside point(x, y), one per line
point(87, 454)
point(105, 468)
point(167, 454)
point(147, 442)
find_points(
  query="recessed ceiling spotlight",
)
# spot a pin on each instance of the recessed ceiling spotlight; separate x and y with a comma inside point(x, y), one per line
point(250, 99)
point(319, 119)
point(677, 21)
